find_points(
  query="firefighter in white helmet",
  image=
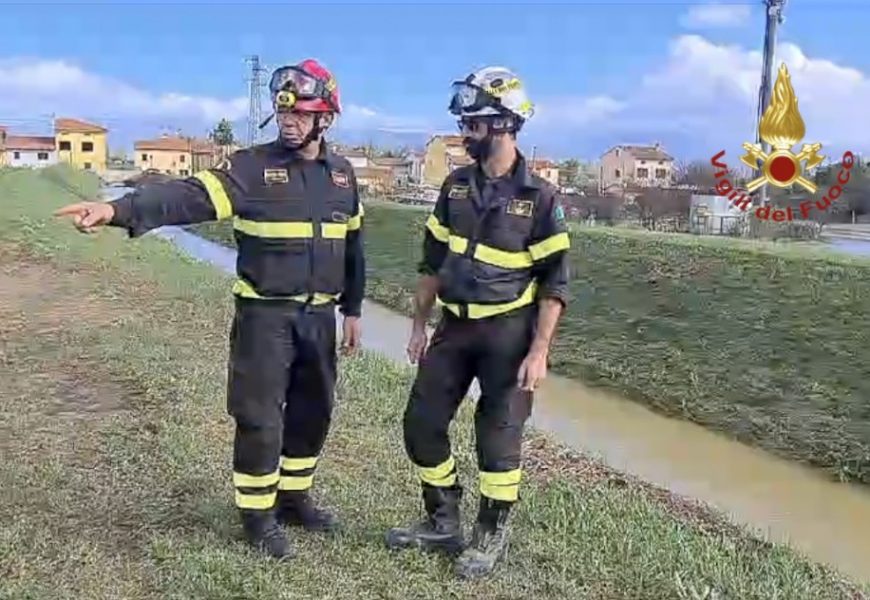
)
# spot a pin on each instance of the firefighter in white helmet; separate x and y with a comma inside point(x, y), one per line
point(495, 256)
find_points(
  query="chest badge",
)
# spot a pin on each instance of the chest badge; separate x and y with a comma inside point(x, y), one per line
point(275, 176)
point(520, 208)
point(340, 179)
point(458, 192)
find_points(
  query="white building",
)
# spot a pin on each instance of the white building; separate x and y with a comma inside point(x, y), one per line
point(30, 151)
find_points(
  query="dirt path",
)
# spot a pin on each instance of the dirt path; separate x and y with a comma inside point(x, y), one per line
point(56, 411)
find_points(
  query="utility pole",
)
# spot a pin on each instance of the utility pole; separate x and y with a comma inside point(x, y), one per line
point(255, 111)
point(774, 18)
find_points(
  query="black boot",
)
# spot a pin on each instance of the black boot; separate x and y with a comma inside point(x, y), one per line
point(440, 530)
point(489, 542)
point(263, 533)
point(298, 509)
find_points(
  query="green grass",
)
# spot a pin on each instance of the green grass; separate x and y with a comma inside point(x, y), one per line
point(134, 500)
point(766, 342)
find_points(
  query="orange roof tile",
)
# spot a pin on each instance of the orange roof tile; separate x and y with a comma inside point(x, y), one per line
point(176, 144)
point(30, 142)
point(64, 125)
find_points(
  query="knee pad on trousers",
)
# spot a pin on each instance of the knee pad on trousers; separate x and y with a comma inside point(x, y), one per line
point(426, 442)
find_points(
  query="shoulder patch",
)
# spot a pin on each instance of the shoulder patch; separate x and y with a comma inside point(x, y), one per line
point(520, 207)
point(458, 192)
point(559, 213)
point(340, 178)
point(274, 176)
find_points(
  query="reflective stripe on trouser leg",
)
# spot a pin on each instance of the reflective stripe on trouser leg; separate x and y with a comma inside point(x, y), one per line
point(503, 486)
point(255, 492)
point(442, 475)
point(442, 381)
point(297, 474)
point(259, 353)
point(309, 399)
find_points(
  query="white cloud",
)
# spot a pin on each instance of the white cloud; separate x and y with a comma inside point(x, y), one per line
point(705, 94)
point(357, 117)
point(716, 15)
point(32, 86)
point(32, 89)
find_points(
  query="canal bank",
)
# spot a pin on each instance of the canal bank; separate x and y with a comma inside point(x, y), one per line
point(781, 501)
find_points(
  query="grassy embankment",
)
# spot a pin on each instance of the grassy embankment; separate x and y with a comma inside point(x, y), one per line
point(766, 342)
point(116, 451)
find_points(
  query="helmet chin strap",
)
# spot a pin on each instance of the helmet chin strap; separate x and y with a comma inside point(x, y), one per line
point(312, 135)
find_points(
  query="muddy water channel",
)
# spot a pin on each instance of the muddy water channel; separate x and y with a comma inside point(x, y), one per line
point(784, 502)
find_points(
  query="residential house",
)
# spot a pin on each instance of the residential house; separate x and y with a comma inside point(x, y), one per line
point(29, 151)
point(399, 167)
point(82, 144)
point(2, 146)
point(175, 155)
point(357, 158)
point(417, 159)
point(546, 169)
point(635, 166)
point(443, 154)
point(374, 180)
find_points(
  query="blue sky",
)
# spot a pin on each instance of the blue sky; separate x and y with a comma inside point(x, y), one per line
point(600, 73)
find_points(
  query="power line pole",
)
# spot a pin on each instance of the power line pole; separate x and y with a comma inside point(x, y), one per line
point(255, 111)
point(774, 18)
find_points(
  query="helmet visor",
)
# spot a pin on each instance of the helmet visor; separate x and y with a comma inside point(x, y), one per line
point(469, 98)
point(292, 79)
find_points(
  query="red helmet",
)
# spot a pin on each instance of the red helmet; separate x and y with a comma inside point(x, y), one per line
point(307, 86)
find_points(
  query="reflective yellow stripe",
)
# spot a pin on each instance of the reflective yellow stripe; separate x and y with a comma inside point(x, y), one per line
point(295, 484)
point(457, 244)
point(334, 231)
point(254, 481)
point(481, 311)
point(245, 290)
point(355, 222)
point(490, 255)
point(297, 464)
point(443, 475)
point(440, 232)
point(551, 245)
point(255, 501)
point(503, 258)
point(274, 229)
point(501, 486)
point(216, 193)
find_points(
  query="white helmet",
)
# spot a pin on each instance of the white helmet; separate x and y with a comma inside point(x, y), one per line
point(491, 91)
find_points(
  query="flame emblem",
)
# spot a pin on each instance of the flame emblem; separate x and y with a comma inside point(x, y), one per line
point(782, 127)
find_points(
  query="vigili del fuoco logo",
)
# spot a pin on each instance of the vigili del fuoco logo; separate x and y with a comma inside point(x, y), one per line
point(782, 127)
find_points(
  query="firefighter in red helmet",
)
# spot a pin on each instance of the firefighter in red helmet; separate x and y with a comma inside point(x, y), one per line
point(297, 222)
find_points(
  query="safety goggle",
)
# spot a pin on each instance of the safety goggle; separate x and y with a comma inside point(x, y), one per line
point(470, 98)
point(297, 81)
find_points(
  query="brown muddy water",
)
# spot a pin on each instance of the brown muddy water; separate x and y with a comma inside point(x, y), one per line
point(781, 501)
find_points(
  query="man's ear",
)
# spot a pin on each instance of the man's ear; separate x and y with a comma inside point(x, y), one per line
point(327, 120)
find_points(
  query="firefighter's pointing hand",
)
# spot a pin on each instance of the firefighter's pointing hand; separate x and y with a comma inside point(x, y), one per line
point(87, 216)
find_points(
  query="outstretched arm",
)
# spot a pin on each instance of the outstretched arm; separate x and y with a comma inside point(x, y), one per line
point(206, 196)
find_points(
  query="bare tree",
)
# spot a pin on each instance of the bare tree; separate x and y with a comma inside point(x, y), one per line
point(700, 174)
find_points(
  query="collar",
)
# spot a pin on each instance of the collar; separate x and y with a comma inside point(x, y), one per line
point(519, 174)
point(324, 154)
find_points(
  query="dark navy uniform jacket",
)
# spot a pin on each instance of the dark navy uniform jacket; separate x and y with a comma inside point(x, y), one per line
point(496, 245)
point(297, 223)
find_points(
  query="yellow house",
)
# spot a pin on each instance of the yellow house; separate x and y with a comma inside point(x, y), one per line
point(176, 155)
point(444, 153)
point(82, 144)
